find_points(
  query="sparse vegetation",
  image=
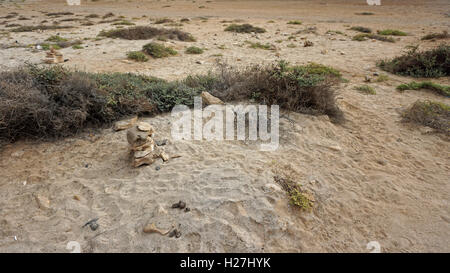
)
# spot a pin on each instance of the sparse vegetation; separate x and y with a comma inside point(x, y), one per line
point(158, 50)
point(382, 78)
point(244, 28)
point(365, 13)
point(77, 46)
point(56, 39)
point(294, 22)
point(392, 32)
point(258, 45)
point(366, 89)
point(123, 23)
point(137, 56)
point(163, 21)
point(46, 102)
point(194, 50)
point(429, 64)
point(147, 32)
point(39, 27)
point(361, 29)
point(297, 196)
point(429, 113)
point(365, 36)
point(443, 90)
point(59, 13)
point(443, 35)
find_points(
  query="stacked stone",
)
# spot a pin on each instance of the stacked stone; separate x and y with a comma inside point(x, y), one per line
point(142, 144)
point(53, 57)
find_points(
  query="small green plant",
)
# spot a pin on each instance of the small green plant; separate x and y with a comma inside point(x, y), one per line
point(392, 32)
point(361, 29)
point(365, 89)
point(77, 46)
point(137, 56)
point(291, 45)
point(258, 45)
point(294, 22)
point(297, 196)
point(158, 50)
point(364, 36)
point(56, 39)
point(382, 78)
point(244, 28)
point(194, 50)
point(443, 90)
point(332, 32)
point(429, 113)
point(50, 46)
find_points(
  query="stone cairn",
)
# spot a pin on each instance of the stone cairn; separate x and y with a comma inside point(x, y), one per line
point(53, 57)
point(144, 151)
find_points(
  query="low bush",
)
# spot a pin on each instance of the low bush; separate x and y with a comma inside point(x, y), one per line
point(365, 36)
point(137, 56)
point(366, 89)
point(443, 90)
point(428, 64)
point(244, 28)
point(361, 29)
point(429, 113)
point(47, 102)
point(147, 32)
point(158, 50)
point(194, 50)
point(443, 35)
point(392, 32)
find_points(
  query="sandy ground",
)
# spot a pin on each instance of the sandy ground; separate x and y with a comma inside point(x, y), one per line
point(374, 178)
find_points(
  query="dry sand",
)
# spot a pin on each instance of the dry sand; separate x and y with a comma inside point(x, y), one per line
point(374, 178)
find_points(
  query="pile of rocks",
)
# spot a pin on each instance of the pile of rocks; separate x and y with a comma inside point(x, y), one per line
point(54, 57)
point(143, 148)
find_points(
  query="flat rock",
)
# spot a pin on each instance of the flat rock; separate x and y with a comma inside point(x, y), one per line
point(209, 99)
point(124, 124)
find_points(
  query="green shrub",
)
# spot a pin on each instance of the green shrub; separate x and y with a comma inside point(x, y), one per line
point(56, 38)
point(392, 32)
point(194, 50)
point(245, 28)
point(429, 64)
point(443, 90)
point(297, 196)
point(158, 50)
point(366, 89)
point(77, 46)
point(429, 113)
point(258, 45)
point(137, 56)
point(365, 36)
point(362, 29)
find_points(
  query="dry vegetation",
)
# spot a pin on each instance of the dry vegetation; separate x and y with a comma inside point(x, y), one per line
point(429, 64)
point(43, 102)
point(430, 113)
point(147, 32)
